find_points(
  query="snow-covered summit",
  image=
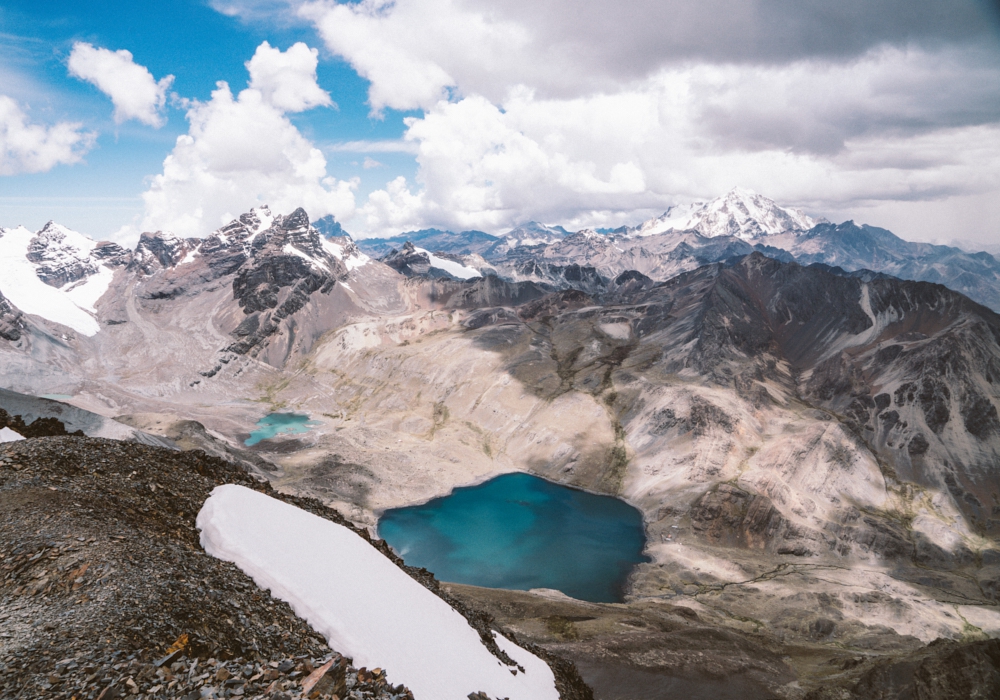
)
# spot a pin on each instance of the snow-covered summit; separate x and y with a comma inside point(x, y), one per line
point(534, 233)
point(57, 274)
point(741, 213)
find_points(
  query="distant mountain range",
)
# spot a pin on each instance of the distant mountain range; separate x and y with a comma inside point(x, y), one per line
point(687, 237)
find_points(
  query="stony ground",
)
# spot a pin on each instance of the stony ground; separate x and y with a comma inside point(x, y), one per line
point(654, 650)
point(105, 591)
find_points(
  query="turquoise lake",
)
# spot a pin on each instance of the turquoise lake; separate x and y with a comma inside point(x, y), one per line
point(519, 532)
point(280, 423)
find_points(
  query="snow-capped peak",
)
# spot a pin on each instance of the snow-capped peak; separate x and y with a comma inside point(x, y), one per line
point(53, 273)
point(534, 233)
point(740, 212)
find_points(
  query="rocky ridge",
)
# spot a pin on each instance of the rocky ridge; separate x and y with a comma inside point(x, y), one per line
point(736, 224)
point(11, 321)
point(117, 593)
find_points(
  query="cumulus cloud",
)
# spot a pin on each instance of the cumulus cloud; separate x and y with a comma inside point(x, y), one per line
point(414, 51)
point(34, 148)
point(133, 90)
point(391, 210)
point(897, 124)
point(598, 112)
point(287, 80)
point(242, 151)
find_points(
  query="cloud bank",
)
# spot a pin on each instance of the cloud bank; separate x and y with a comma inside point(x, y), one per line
point(595, 112)
point(133, 90)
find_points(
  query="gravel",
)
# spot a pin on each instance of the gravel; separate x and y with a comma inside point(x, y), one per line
point(105, 591)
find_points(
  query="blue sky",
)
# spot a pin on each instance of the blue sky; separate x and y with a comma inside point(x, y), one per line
point(472, 114)
point(184, 38)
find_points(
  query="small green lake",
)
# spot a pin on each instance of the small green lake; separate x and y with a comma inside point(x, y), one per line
point(280, 424)
point(519, 532)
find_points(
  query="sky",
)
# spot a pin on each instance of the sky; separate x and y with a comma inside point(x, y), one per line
point(122, 117)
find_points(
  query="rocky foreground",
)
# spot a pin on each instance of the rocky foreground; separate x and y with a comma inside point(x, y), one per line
point(106, 592)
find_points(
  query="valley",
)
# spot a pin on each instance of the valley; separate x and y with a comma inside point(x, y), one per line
point(814, 448)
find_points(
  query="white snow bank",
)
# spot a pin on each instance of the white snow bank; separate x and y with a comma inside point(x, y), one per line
point(20, 284)
point(8, 435)
point(86, 292)
point(364, 605)
point(450, 266)
point(352, 261)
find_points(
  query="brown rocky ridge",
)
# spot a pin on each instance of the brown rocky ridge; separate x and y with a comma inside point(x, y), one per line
point(105, 591)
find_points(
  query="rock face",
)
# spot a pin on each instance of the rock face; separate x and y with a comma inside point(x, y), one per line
point(288, 264)
point(944, 670)
point(408, 261)
point(59, 258)
point(11, 321)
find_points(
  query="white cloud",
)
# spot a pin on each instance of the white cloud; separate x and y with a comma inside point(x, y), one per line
point(598, 111)
point(390, 211)
point(134, 91)
point(287, 79)
point(414, 51)
point(243, 151)
point(691, 132)
point(383, 146)
point(34, 148)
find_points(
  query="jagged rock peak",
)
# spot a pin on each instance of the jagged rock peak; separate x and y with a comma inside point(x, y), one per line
point(740, 212)
point(11, 321)
point(61, 255)
point(161, 249)
point(298, 219)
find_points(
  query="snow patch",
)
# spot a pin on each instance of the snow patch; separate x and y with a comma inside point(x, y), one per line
point(86, 292)
point(289, 249)
point(450, 266)
point(618, 331)
point(20, 284)
point(191, 255)
point(8, 435)
point(364, 605)
point(352, 260)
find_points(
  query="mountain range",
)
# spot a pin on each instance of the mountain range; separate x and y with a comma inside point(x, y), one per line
point(689, 236)
point(806, 414)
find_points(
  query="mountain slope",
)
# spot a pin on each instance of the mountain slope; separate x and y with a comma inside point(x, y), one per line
point(752, 410)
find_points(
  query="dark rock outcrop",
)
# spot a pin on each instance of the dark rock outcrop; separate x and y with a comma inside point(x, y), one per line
point(943, 670)
point(11, 321)
point(286, 266)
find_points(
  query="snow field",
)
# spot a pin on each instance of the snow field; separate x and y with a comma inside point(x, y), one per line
point(365, 606)
point(452, 268)
point(20, 284)
point(8, 435)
